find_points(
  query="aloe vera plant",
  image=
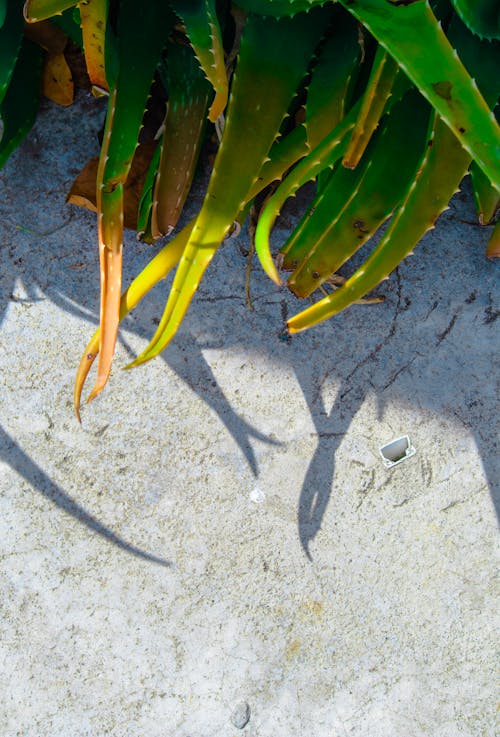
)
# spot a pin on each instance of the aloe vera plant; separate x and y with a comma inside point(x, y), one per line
point(384, 104)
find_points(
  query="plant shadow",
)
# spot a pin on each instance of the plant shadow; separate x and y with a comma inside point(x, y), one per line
point(431, 345)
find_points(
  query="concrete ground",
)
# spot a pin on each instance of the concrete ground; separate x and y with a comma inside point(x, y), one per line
point(219, 549)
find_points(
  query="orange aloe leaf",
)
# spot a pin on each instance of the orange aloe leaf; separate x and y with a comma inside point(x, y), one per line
point(157, 269)
point(83, 189)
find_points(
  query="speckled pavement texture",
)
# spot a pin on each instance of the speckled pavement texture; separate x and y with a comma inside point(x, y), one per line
point(219, 549)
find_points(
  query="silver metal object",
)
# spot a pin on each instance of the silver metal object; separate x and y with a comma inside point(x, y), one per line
point(397, 451)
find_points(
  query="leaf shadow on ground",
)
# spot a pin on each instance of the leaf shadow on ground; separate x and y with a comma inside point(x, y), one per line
point(431, 345)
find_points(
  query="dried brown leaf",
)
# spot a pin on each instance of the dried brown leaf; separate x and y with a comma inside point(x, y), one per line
point(83, 189)
point(47, 35)
point(57, 82)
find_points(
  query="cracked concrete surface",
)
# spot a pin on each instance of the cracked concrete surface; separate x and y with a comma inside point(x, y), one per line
point(221, 531)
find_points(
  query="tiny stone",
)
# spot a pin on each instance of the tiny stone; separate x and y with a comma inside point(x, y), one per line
point(241, 715)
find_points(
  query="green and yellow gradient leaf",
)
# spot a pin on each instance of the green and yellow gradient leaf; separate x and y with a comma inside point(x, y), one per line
point(138, 54)
point(204, 33)
point(353, 205)
point(188, 95)
point(376, 94)
point(273, 59)
point(404, 29)
point(36, 10)
point(426, 198)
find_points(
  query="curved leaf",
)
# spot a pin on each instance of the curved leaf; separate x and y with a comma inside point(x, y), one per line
point(273, 58)
point(279, 8)
point(404, 29)
point(324, 156)
point(482, 17)
point(425, 200)
point(36, 10)
point(376, 94)
point(18, 111)
point(204, 33)
point(188, 93)
point(130, 74)
point(351, 208)
point(94, 14)
point(11, 36)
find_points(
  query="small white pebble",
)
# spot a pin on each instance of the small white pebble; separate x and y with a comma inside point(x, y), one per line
point(257, 495)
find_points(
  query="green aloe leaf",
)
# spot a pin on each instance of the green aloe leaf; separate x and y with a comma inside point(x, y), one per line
point(319, 217)
point(36, 10)
point(145, 210)
point(376, 94)
point(18, 110)
point(482, 17)
point(404, 29)
point(69, 22)
point(333, 77)
point(425, 200)
point(3, 11)
point(353, 204)
point(438, 177)
point(482, 60)
point(279, 8)
point(11, 36)
point(273, 58)
point(493, 249)
point(188, 95)
point(204, 33)
point(324, 156)
point(486, 197)
point(130, 66)
point(297, 246)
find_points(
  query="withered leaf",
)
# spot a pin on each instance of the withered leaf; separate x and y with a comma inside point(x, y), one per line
point(47, 35)
point(83, 189)
point(57, 82)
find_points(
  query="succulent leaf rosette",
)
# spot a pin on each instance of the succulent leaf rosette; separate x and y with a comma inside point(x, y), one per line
point(384, 104)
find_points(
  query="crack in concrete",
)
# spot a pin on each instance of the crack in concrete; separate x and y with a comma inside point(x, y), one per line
point(448, 328)
point(372, 355)
point(220, 298)
point(400, 371)
point(490, 314)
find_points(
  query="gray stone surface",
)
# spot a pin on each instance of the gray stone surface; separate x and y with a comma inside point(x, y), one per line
point(221, 528)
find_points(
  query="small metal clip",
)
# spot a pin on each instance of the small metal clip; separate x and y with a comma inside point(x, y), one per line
point(397, 451)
